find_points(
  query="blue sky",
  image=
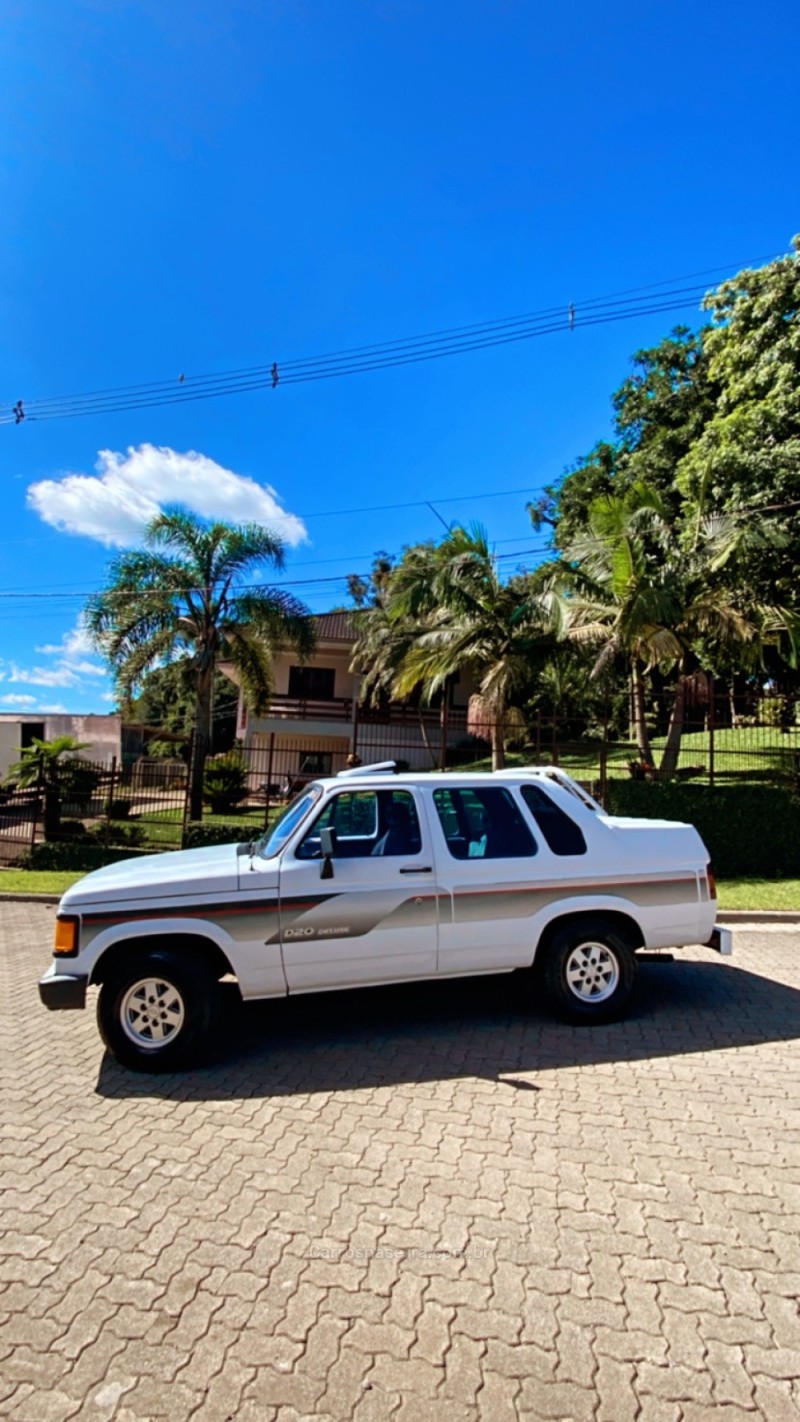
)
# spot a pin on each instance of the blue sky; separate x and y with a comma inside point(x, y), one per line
point(190, 188)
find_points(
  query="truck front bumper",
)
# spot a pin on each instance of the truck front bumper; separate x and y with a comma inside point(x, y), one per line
point(721, 941)
point(63, 990)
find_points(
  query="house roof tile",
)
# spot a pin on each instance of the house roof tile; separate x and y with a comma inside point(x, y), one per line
point(335, 627)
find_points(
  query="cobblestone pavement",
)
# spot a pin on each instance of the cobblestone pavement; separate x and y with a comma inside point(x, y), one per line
point(423, 1203)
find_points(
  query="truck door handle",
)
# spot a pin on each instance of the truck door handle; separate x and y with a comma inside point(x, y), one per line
point(416, 869)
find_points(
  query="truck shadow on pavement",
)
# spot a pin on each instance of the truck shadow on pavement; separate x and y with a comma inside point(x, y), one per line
point(490, 1028)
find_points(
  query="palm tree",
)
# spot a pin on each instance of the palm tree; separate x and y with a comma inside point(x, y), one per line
point(615, 598)
point(452, 613)
point(637, 588)
point(190, 600)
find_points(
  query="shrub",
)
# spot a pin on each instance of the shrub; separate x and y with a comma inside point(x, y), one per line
point(467, 750)
point(72, 829)
point(78, 856)
point(130, 835)
point(198, 835)
point(775, 711)
point(78, 783)
point(118, 809)
point(749, 830)
point(224, 782)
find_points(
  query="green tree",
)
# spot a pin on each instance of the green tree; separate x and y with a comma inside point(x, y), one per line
point(60, 773)
point(166, 699)
point(636, 589)
point(451, 613)
point(660, 410)
point(184, 595)
point(746, 458)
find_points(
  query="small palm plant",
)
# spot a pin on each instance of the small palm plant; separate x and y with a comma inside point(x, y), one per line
point(56, 768)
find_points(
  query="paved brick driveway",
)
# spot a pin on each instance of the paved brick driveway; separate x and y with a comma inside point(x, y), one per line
point(411, 1205)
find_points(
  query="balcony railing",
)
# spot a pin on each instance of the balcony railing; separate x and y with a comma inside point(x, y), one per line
point(295, 708)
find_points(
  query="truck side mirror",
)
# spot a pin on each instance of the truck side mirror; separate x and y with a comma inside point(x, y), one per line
point(329, 844)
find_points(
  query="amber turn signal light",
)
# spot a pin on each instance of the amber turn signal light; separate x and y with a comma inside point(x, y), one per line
point(66, 940)
point(712, 883)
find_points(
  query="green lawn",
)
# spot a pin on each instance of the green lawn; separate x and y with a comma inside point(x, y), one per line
point(37, 881)
point(759, 894)
point(733, 893)
point(752, 752)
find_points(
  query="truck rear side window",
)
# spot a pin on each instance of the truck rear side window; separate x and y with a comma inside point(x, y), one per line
point(560, 833)
point(483, 823)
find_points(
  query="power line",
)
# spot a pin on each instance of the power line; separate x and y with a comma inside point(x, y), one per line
point(644, 300)
point(213, 388)
point(341, 579)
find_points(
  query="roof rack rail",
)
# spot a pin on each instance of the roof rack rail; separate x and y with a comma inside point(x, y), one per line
point(381, 767)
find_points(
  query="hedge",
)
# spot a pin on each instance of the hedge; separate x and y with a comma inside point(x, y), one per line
point(199, 834)
point(77, 855)
point(750, 831)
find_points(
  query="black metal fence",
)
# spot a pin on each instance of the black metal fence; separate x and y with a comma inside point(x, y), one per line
point(145, 806)
point(20, 814)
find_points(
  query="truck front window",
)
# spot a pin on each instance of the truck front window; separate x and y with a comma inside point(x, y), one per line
point(284, 827)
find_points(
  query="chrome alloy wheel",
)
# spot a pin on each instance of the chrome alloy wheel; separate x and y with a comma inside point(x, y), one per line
point(152, 1013)
point(592, 972)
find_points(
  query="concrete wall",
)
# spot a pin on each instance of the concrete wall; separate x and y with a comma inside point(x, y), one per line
point(101, 735)
point(9, 744)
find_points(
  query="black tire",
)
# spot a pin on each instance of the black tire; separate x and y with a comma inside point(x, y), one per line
point(589, 971)
point(166, 1028)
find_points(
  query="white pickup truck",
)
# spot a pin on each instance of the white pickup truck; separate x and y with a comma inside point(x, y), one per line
point(371, 877)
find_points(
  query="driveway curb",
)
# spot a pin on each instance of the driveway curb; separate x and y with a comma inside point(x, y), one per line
point(758, 916)
point(23, 898)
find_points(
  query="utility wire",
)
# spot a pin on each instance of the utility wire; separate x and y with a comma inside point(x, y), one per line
point(214, 387)
point(279, 373)
point(9, 594)
point(650, 299)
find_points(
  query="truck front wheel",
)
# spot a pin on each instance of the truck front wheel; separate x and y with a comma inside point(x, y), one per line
point(157, 1009)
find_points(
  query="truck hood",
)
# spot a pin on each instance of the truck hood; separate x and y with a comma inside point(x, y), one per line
point(186, 871)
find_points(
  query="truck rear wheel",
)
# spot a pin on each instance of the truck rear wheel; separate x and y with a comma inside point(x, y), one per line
point(589, 971)
point(157, 1009)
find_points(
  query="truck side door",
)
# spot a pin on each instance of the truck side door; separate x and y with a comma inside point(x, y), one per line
point(376, 919)
point(485, 874)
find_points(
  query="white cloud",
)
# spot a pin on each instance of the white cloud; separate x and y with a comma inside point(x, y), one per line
point(128, 490)
point(20, 701)
point(53, 708)
point(75, 643)
point(61, 675)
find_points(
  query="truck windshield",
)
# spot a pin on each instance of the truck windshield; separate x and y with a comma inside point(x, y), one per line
point(284, 827)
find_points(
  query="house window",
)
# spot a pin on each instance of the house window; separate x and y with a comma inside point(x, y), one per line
point(316, 762)
point(312, 683)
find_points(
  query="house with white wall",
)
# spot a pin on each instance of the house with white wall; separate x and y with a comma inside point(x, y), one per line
point(314, 720)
